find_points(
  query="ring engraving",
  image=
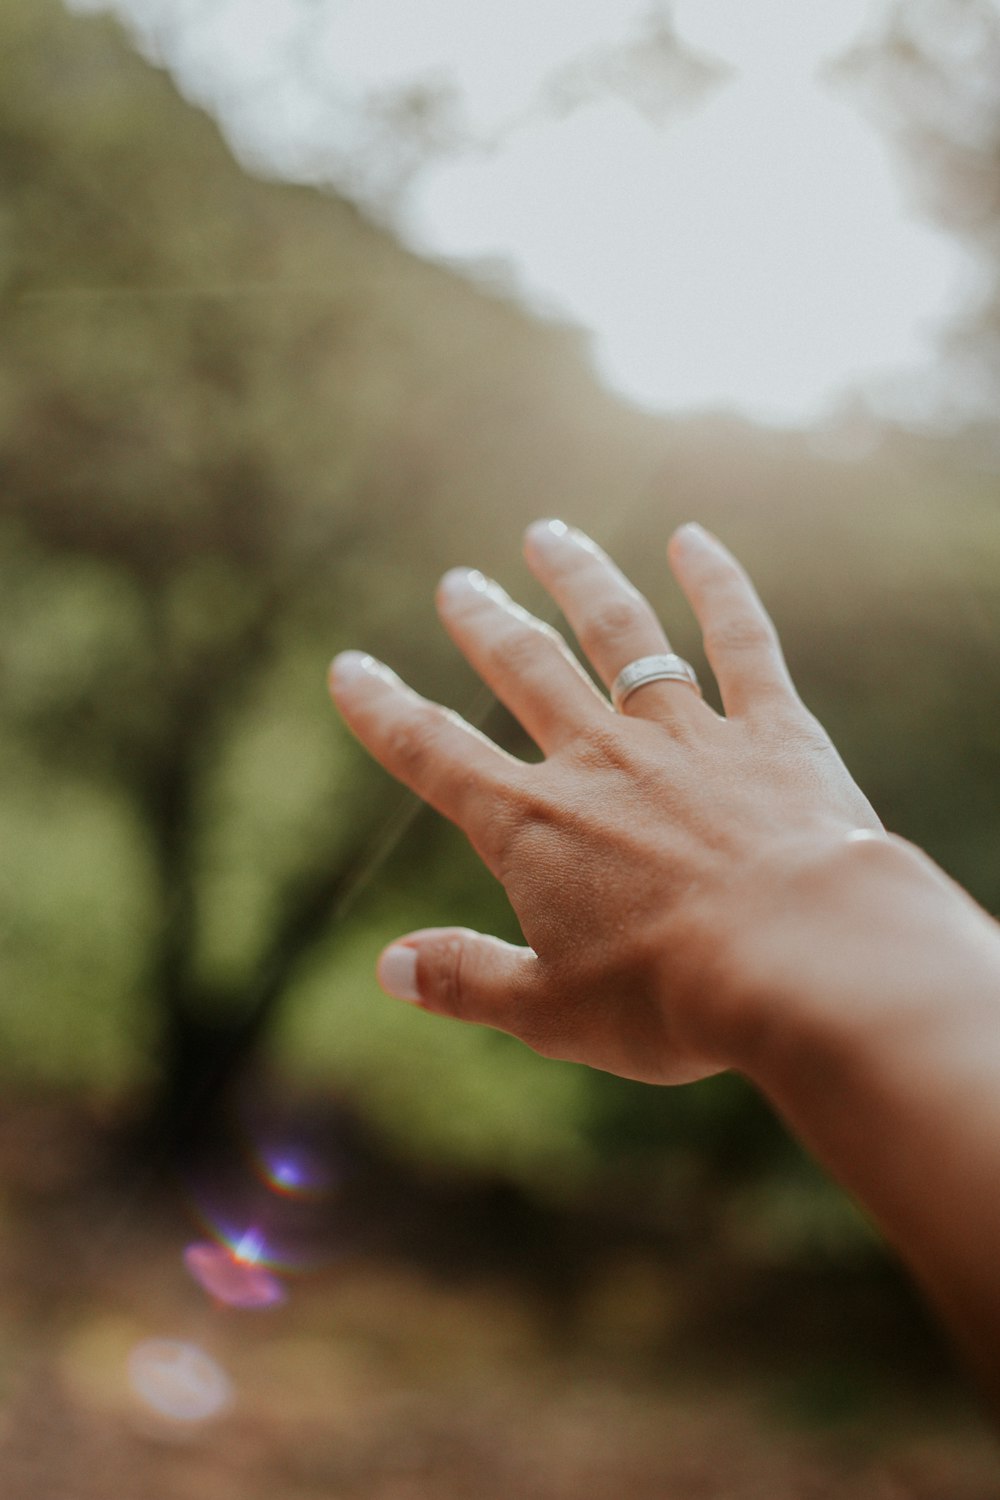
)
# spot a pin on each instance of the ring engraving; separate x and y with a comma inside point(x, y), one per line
point(667, 667)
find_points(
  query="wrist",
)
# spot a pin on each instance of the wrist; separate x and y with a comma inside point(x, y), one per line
point(847, 946)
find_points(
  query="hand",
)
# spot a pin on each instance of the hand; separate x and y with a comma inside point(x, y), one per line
point(647, 846)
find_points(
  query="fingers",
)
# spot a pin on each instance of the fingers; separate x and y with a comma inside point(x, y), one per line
point(610, 618)
point(456, 972)
point(430, 749)
point(740, 641)
point(526, 663)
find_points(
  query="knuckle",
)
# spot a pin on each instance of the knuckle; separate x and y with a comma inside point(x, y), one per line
point(603, 747)
point(445, 962)
point(517, 651)
point(615, 620)
point(739, 632)
point(412, 744)
point(532, 800)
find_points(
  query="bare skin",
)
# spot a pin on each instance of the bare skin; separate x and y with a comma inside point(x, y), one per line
point(702, 891)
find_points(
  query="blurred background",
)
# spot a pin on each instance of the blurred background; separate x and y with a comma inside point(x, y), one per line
point(303, 303)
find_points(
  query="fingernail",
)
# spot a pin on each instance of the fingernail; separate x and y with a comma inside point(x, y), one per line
point(397, 972)
point(349, 666)
point(543, 533)
point(556, 534)
point(695, 534)
point(458, 581)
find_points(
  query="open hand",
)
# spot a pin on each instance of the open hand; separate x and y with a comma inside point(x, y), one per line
point(640, 851)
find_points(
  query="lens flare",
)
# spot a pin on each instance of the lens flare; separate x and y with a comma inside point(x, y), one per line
point(272, 1195)
point(295, 1170)
point(178, 1380)
point(235, 1276)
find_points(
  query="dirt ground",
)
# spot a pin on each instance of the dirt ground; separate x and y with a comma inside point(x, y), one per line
point(388, 1376)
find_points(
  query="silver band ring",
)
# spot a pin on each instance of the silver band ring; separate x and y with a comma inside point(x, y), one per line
point(665, 668)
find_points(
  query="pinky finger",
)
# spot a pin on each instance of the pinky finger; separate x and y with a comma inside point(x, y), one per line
point(740, 641)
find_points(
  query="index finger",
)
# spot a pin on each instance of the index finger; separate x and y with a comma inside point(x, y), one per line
point(432, 750)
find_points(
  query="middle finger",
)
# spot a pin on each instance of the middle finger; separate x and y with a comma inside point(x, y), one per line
point(526, 663)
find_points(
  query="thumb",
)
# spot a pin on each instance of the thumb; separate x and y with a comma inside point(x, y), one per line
point(456, 972)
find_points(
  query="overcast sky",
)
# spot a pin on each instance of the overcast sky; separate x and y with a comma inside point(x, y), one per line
point(751, 249)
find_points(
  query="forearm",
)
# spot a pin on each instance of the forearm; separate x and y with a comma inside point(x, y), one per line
point(883, 1055)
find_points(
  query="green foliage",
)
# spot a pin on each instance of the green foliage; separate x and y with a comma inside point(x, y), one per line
point(239, 429)
point(75, 905)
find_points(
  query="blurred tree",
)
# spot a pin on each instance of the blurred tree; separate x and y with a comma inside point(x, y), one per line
point(931, 78)
point(223, 404)
point(156, 466)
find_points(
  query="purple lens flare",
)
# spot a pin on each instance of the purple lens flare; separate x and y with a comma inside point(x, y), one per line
point(295, 1169)
point(234, 1278)
point(269, 1197)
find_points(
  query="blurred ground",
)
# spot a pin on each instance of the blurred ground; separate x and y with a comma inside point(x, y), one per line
point(428, 1367)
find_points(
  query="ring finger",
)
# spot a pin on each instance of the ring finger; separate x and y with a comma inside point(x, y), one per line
point(612, 621)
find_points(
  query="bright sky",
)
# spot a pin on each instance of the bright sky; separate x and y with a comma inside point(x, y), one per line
point(752, 250)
